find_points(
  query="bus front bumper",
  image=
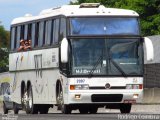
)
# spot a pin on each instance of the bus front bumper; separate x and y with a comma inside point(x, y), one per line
point(104, 96)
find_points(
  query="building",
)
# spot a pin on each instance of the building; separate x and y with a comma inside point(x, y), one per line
point(152, 69)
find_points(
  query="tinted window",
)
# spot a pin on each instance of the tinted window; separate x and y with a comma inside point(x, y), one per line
point(25, 32)
point(104, 26)
point(36, 34)
point(56, 31)
point(22, 32)
point(62, 28)
point(52, 30)
point(33, 34)
point(107, 56)
point(18, 36)
point(29, 31)
point(41, 34)
point(48, 32)
point(12, 37)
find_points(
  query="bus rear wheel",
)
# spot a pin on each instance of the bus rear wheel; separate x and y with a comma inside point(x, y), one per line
point(23, 97)
point(15, 108)
point(125, 108)
point(5, 110)
point(30, 107)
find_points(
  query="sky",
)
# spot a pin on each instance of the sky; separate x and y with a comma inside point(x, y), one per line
point(10, 9)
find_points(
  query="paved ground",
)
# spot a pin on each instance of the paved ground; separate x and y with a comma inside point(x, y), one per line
point(139, 112)
point(99, 116)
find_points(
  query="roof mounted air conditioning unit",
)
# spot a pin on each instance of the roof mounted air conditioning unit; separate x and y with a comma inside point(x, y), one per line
point(90, 5)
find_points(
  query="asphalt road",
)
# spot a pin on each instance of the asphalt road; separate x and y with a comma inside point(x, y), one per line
point(139, 112)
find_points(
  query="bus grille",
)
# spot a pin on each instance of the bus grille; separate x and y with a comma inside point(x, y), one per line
point(113, 87)
point(106, 98)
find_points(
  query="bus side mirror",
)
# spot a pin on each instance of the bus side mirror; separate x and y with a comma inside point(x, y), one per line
point(64, 50)
point(149, 49)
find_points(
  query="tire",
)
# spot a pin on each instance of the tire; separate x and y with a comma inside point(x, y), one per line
point(5, 110)
point(65, 109)
point(125, 108)
point(30, 107)
point(23, 99)
point(15, 108)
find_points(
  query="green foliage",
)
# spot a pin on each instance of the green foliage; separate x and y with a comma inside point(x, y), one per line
point(4, 37)
point(3, 60)
point(149, 11)
point(4, 44)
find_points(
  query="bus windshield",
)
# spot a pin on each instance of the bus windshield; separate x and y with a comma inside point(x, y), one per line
point(104, 26)
point(107, 57)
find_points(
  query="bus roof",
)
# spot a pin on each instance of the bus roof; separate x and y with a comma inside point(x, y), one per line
point(85, 9)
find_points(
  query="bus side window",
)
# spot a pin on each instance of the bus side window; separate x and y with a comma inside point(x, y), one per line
point(22, 32)
point(62, 29)
point(56, 31)
point(36, 34)
point(25, 32)
point(18, 36)
point(33, 36)
point(48, 32)
point(29, 32)
point(41, 34)
point(13, 37)
point(52, 32)
point(43, 38)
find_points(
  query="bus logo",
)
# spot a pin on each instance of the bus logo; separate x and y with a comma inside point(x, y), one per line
point(107, 86)
point(38, 65)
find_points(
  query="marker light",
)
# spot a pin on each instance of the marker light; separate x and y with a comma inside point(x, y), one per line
point(77, 96)
point(72, 87)
point(135, 96)
point(79, 87)
point(134, 86)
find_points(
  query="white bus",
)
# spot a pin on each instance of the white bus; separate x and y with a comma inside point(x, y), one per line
point(83, 57)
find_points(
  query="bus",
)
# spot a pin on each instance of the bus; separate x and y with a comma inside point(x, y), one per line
point(82, 57)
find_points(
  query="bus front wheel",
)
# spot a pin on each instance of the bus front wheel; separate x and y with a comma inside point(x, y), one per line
point(66, 109)
point(61, 106)
point(125, 108)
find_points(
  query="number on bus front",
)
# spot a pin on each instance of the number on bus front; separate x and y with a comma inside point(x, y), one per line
point(80, 80)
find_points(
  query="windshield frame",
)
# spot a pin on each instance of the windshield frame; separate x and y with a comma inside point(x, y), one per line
point(100, 35)
point(107, 75)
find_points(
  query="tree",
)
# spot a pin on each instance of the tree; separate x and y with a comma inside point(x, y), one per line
point(4, 45)
point(3, 60)
point(4, 37)
point(147, 9)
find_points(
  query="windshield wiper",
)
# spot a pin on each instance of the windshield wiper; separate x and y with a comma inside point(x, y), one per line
point(95, 65)
point(117, 66)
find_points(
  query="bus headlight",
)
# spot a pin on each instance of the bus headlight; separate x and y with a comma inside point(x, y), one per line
point(134, 86)
point(128, 86)
point(79, 87)
point(85, 87)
